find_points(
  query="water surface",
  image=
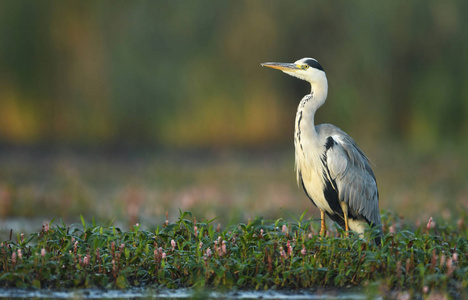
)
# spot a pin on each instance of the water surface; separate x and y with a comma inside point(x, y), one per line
point(144, 293)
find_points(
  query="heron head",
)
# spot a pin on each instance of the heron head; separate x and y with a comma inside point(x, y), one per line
point(307, 69)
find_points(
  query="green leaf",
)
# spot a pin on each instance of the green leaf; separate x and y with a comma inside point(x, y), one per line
point(83, 222)
point(303, 215)
point(121, 282)
point(36, 284)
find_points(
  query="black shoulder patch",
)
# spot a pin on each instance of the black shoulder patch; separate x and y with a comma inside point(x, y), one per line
point(330, 143)
point(314, 64)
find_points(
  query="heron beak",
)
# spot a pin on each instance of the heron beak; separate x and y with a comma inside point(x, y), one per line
point(282, 66)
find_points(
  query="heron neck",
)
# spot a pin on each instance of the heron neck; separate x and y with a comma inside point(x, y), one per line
point(319, 92)
point(305, 132)
point(317, 98)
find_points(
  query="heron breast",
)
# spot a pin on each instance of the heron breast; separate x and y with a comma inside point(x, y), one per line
point(314, 184)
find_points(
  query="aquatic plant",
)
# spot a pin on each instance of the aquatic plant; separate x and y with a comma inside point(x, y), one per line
point(258, 255)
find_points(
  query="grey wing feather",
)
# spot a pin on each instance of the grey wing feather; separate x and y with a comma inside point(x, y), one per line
point(355, 182)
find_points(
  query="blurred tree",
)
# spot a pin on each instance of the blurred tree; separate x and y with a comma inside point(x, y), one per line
point(187, 74)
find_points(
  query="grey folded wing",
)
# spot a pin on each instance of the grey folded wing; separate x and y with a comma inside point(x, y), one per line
point(353, 178)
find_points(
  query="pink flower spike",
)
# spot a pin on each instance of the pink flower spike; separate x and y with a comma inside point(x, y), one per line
point(282, 253)
point(223, 247)
point(86, 260)
point(455, 256)
point(450, 267)
point(208, 252)
point(303, 251)
point(173, 244)
point(430, 224)
point(13, 257)
point(460, 223)
point(20, 254)
point(449, 263)
point(163, 255)
point(195, 230)
point(442, 261)
point(289, 249)
point(43, 252)
point(284, 229)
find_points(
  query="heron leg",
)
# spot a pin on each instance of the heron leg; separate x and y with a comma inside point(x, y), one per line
point(323, 226)
point(344, 207)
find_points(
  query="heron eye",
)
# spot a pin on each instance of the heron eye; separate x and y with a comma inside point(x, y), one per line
point(305, 67)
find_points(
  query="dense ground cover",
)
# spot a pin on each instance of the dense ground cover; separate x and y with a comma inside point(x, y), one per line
point(256, 255)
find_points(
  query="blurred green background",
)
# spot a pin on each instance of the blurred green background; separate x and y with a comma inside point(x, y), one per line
point(127, 109)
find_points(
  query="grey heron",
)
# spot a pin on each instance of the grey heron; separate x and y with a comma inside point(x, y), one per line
point(334, 173)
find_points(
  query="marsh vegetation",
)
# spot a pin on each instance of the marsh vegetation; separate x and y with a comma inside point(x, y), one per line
point(257, 255)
